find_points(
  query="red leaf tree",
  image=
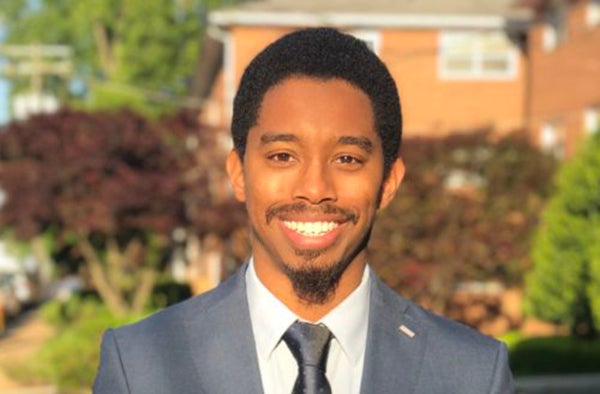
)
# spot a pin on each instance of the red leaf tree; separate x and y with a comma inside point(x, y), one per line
point(113, 187)
point(466, 211)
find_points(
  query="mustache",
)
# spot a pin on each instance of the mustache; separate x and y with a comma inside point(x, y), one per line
point(302, 207)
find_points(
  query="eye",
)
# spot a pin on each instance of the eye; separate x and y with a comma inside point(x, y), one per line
point(282, 157)
point(349, 159)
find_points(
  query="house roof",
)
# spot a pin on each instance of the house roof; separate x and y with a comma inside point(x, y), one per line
point(371, 13)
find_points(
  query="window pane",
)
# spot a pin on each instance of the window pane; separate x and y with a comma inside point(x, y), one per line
point(458, 63)
point(498, 65)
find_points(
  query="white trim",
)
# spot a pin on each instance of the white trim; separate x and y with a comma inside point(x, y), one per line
point(591, 119)
point(372, 37)
point(549, 37)
point(551, 138)
point(245, 18)
point(592, 13)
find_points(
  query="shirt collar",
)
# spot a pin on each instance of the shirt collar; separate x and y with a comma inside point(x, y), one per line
point(271, 318)
point(349, 320)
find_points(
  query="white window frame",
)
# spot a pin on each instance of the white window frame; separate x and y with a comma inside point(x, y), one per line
point(592, 14)
point(551, 139)
point(478, 56)
point(371, 37)
point(591, 119)
point(549, 37)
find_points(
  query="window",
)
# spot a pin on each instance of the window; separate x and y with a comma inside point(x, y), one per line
point(593, 13)
point(477, 55)
point(552, 138)
point(591, 119)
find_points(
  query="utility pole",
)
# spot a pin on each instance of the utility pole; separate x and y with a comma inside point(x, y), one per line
point(36, 61)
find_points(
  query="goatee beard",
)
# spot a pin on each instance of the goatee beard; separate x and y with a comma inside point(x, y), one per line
point(313, 284)
point(316, 284)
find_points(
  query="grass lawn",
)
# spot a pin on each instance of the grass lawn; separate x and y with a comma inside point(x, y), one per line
point(552, 355)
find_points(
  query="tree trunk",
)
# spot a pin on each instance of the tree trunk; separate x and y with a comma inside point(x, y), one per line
point(40, 251)
point(105, 49)
point(144, 290)
point(113, 299)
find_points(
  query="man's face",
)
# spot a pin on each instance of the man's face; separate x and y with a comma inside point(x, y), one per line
point(312, 180)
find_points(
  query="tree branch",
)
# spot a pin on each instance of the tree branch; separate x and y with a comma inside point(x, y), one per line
point(115, 302)
point(105, 52)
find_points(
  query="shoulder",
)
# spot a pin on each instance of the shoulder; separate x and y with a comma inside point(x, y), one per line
point(451, 356)
point(149, 355)
point(439, 329)
point(174, 318)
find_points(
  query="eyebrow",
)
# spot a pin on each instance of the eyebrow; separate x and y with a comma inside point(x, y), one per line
point(269, 138)
point(362, 142)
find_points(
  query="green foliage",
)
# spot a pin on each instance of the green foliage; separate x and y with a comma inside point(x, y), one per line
point(135, 53)
point(511, 339)
point(564, 284)
point(70, 358)
point(166, 293)
point(439, 231)
point(555, 355)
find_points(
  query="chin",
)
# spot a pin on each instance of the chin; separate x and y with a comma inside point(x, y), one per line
point(315, 281)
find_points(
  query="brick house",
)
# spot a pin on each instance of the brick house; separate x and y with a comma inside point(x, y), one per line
point(459, 64)
point(564, 55)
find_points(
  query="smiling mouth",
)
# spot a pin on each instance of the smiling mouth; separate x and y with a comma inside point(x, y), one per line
point(311, 229)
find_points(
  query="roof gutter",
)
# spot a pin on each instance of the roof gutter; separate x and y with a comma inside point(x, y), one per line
point(414, 21)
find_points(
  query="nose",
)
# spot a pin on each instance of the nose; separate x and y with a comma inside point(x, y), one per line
point(315, 184)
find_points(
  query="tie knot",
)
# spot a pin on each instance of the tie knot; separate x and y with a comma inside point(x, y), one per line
point(309, 343)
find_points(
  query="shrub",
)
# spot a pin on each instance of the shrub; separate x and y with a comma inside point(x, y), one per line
point(555, 355)
point(70, 358)
point(564, 284)
point(465, 212)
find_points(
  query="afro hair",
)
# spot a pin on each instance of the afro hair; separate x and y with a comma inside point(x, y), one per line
point(322, 53)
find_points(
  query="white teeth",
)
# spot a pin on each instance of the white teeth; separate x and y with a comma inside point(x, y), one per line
point(311, 229)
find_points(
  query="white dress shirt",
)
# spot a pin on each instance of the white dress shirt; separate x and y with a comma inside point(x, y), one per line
point(271, 318)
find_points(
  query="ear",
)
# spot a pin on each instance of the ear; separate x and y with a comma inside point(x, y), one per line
point(235, 170)
point(392, 183)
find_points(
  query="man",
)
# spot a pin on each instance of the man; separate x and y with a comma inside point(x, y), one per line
point(316, 129)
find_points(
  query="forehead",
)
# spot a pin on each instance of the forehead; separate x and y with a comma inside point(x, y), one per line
point(305, 105)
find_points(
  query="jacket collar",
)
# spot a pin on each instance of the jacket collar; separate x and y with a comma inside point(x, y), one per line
point(396, 343)
point(220, 337)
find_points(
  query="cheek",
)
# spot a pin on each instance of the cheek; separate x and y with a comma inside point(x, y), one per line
point(263, 190)
point(361, 198)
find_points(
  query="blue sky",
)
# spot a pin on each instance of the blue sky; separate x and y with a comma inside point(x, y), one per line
point(4, 108)
point(4, 105)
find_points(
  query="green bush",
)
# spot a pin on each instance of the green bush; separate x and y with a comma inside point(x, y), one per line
point(166, 293)
point(554, 355)
point(70, 358)
point(564, 284)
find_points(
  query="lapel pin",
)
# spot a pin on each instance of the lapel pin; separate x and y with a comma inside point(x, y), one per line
point(407, 331)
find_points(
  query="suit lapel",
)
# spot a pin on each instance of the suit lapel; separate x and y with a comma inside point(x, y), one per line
point(395, 344)
point(221, 339)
